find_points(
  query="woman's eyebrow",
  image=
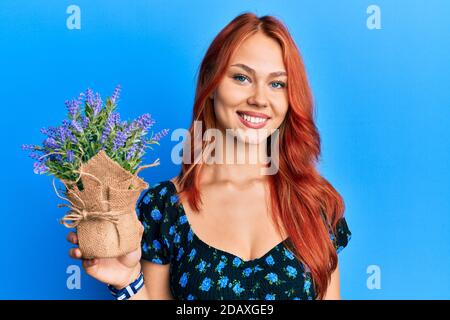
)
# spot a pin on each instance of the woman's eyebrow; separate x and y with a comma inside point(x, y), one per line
point(252, 71)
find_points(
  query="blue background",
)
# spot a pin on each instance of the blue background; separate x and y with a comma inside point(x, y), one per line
point(383, 106)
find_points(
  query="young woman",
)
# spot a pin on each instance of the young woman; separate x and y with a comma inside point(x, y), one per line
point(224, 230)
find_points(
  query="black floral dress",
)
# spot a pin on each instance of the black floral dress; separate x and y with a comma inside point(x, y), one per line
point(199, 271)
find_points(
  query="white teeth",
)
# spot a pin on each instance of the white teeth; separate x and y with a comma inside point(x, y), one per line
point(255, 120)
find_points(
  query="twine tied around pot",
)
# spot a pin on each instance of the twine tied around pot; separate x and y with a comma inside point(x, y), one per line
point(79, 213)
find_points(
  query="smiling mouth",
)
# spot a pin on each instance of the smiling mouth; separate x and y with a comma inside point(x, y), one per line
point(252, 121)
point(252, 118)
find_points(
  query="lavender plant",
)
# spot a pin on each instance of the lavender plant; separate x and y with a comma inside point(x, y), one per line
point(91, 126)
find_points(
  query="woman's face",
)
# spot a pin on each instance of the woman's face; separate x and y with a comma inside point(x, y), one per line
point(252, 96)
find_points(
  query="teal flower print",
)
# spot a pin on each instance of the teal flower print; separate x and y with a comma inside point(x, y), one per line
point(223, 281)
point(177, 238)
point(182, 219)
point(291, 271)
point(192, 254)
point(156, 215)
point(220, 266)
point(269, 260)
point(206, 284)
point(173, 199)
point(271, 277)
point(156, 244)
point(237, 262)
point(166, 242)
point(184, 280)
point(163, 191)
point(257, 268)
point(247, 272)
point(307, 285)
point(157, 260)
point(269, 296)
point(201, 266)
point(289, 254)
point(237, 289)
point(180, 253)
point(218, 275)
point(147, 198)
point(190, 235)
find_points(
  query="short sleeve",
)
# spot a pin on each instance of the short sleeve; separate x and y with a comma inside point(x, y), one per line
point(156, 241)
point(341, 235)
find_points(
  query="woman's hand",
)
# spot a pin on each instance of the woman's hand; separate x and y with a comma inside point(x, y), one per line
point(118, 272)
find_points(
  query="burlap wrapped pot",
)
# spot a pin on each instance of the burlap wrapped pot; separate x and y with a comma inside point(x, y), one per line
point(104, 212)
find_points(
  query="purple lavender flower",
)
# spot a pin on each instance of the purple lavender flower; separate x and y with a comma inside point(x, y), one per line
point(81, 99)
point(40, 168)
point(27, 147)
point(112, 120)
point(44, 131)
point(132, 151)
point(140, 150)
point(97, 107)
point(73, 107)
point(52, 132)
point(116, 93)
point(90, 97)
point(51, 143)
point(116, 117)
point(56, 157)
point(144, 122)
point(35, 156)
point(119, 140)
point(65, 132)
point(158, 136)
point(76, 126)
point(128, 128)
point(85, 122)
point(70, 156)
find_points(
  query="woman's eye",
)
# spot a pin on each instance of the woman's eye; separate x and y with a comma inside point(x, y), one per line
point(278, 84)
point(240, 77)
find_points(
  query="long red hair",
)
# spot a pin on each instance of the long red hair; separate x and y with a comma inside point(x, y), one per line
point(300, 197)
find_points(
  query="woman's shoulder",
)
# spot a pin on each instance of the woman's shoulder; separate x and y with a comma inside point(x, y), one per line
point(159, 219)
point(159, 193)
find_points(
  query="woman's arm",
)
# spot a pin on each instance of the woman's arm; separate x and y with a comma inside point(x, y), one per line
point(333, 291)
point(157, 282)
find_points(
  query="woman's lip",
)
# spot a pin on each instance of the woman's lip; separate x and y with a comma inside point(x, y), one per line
point(254, 114)
point(252, 125)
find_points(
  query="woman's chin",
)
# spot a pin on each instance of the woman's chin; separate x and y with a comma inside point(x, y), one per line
point(251, 136)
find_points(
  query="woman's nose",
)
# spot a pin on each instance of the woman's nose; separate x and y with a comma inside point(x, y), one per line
point(258, 97)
